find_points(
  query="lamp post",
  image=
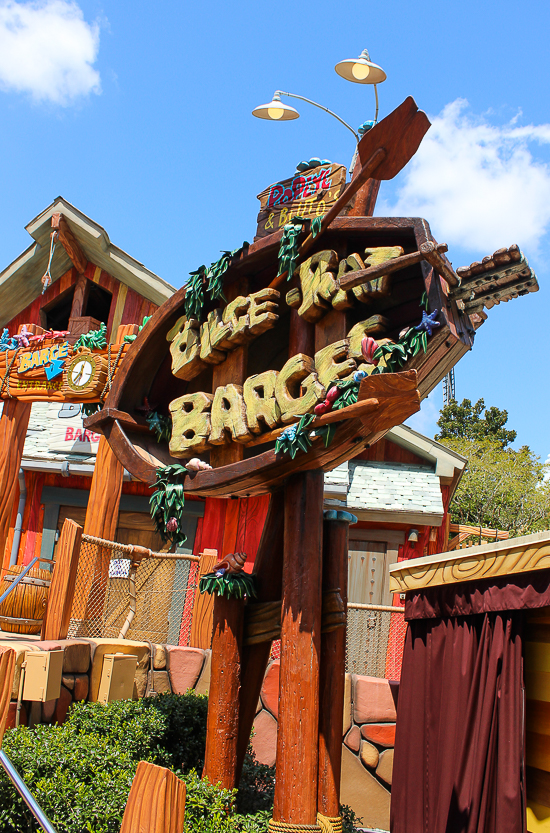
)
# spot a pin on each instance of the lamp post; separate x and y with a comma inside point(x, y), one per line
point(360, 70)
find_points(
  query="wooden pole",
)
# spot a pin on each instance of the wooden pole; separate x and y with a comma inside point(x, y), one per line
point(105, 491)
point(297, 746)
point(220, 760)
point(13, 430)
point(268, 571)
point(60, 600)
point(333, 670)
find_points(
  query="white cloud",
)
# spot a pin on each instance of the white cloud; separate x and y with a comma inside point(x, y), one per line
point(478, 185)
point(48, 50)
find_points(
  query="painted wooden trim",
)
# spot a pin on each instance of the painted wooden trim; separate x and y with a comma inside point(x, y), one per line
point(49, 529)
point(395, 516)
point(389, 536)
point(501, 558)
point(128, 503)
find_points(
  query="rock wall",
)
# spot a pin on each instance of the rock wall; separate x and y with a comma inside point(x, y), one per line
point(368, 722)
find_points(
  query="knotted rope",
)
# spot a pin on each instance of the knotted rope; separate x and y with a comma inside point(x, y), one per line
point(326, 824)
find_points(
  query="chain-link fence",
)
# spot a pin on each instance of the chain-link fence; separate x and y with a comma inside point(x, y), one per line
point(118, 593)
point(375, 637)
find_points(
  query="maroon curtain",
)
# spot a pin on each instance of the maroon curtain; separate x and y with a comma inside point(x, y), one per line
point(459, 747)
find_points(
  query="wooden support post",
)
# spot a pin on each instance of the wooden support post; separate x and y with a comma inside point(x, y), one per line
point(333, 670)
point(220, 760)
point(81, 292)
point(60, 601)
point(203, 605)
point(268, 569)
point(13, 430)
point(105, 491)
point(297, 747)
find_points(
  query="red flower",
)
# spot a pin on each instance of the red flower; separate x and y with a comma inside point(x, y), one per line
point(172, 525)
point(368, 348)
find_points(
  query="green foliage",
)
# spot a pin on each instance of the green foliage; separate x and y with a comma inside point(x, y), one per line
point(288, 250)
point(230, 585)
point(160, 425)
point(212, 278)
point(167, 504)
point(397, 353)
point(130, 338)
point(327, 432)
point(316, 224)
point(94, 340)
point(296, 437)
point(89, 408)
point(465, 422)
point(501, 488)
point(348, 394)
point(350, 821)
point(81, 772)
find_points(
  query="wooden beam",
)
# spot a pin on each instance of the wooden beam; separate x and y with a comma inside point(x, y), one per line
point(500, 558)
point(69, 242)
point(333, 671)
point(13, 430)
point(203, 605)
point(80, 297)
point(7, 671)
point(222, 727)
point(62, 590)
point(297, 735)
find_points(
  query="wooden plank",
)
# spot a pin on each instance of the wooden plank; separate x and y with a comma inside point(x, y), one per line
point(69, 242)
point(501, 558)
point(537, 716)
point(117, 308)
point(60, 601)
point(7, 671)
point(297, 735)
point(537, 751)
point(156, 803)
point(105, 492)
point(203, 607)
point(80, 296)
point(537, 685)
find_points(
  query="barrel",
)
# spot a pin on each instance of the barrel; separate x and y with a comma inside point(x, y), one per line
point(23, 610)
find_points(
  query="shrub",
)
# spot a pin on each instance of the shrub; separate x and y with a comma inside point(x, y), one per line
point(81, 772)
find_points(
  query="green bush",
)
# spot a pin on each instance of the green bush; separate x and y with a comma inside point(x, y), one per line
point(81, 772)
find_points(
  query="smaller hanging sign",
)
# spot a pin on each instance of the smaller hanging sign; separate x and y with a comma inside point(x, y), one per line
point(309, 195)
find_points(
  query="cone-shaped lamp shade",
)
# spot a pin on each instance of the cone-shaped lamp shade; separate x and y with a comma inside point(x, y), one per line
point(361, 70)
point(275, 111)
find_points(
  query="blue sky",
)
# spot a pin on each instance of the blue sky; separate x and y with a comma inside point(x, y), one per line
point(139, 114)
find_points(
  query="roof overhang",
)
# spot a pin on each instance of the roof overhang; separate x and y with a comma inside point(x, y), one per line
point(20, 282)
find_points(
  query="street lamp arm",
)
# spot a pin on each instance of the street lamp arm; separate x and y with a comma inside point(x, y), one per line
point(320, 106)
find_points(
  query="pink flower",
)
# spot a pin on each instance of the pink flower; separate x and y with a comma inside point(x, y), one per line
point(172, 525)
point(368, 348)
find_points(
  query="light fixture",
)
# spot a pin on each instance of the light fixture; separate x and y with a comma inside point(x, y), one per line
point(412, 537)
point(276, 110)
point(361, 70)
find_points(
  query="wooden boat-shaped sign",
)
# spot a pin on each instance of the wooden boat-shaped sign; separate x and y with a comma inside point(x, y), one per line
point(298, 351)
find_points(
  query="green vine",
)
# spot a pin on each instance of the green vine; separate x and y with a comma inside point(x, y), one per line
point(230, 585)
point(296, 437)
point(327, 432)
point(212, 278)
point(316, 224)
point(160, 425)
point(167, 504)
point(288, 251)
point(130, 338)
point(396, 354)
point(94, 340)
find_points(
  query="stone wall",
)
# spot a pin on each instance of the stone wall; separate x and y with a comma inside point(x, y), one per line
point(368, 725)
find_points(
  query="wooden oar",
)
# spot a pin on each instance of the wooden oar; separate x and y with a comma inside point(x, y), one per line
point(383, 151)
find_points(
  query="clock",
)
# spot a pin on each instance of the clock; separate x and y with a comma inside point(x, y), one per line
point(81, 372)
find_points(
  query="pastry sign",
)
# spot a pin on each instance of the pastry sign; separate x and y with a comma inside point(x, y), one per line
point(52, 359)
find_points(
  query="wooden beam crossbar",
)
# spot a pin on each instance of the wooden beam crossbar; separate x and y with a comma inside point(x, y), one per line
point(69, 242)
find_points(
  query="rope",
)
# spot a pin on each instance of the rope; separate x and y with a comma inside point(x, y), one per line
point(111, 370)
point(129, 548)
point(284, 827)
point(328, 824)
point(47, 277)
point(6, 377)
